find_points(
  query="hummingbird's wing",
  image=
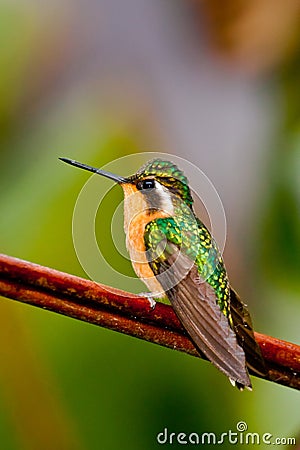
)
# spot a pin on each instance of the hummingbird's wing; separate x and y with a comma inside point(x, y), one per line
point(194, 302)
point(243, 328)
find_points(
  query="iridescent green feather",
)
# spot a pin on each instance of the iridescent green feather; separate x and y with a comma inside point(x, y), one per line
point(194, 240)
point(169, 175)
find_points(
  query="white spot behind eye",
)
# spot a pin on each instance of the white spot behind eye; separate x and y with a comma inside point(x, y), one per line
point(165, 198)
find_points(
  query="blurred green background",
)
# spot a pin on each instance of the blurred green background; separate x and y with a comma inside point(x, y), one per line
point(95, 81)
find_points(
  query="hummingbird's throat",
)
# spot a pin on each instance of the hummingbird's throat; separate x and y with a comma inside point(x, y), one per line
point(137, 215)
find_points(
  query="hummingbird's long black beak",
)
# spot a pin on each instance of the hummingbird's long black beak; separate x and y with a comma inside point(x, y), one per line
point(110, 175)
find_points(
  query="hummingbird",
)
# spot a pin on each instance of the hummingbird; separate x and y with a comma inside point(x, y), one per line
point(174, 254)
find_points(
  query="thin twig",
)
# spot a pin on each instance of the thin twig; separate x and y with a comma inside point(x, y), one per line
point(126, 313)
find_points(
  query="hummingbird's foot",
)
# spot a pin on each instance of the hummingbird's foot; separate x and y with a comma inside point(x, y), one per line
point(150, 298)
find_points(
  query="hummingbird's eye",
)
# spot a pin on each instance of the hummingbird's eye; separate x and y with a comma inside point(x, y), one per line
point(146, 184)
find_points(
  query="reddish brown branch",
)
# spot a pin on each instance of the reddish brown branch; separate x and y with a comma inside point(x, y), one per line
point(124, 312)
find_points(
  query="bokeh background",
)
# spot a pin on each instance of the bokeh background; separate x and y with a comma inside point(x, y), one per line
point(97, 80)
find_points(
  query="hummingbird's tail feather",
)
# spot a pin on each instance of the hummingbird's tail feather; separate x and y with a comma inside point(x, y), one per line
point(240, 386)
point(243, 328)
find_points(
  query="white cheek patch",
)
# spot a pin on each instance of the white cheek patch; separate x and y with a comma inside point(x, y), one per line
point(165, 198)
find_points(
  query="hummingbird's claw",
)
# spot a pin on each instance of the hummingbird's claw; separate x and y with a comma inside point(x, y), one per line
point(150, 298)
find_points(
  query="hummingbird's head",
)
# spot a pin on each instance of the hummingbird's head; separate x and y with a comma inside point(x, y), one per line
point(161, 181)
point(158, 181)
